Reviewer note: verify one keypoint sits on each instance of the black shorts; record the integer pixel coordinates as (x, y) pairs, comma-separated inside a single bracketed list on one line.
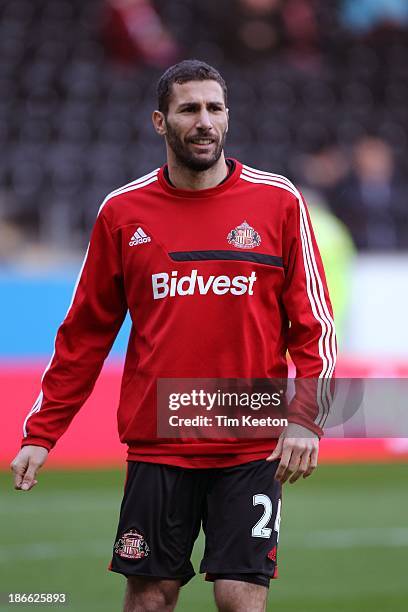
[(164, 506)]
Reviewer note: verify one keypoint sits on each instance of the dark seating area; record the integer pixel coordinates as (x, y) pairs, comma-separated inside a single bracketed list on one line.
[(74, 124)]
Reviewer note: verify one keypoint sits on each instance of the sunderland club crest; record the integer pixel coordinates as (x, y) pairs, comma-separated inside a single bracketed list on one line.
[(244, 237), (132, 545)]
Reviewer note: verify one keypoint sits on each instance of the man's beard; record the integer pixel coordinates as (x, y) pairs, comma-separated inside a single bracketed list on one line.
[(186, 157)]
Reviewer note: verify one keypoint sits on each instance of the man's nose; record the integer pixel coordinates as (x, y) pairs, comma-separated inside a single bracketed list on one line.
[(204, 120)]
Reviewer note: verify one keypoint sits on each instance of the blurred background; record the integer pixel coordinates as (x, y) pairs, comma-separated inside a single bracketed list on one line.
[(318, 91)]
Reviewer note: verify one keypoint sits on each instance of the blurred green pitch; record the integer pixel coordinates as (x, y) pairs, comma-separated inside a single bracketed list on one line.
[(343, 543)]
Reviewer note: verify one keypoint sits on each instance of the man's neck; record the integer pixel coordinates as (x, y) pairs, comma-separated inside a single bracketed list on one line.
[(184, 178)]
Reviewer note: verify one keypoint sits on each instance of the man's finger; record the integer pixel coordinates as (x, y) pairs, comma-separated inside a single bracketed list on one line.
[(276, 451), (294, 462), (19, 471), (283, 464), (18, 479), (303, 466), (312, 463), (29, 480)]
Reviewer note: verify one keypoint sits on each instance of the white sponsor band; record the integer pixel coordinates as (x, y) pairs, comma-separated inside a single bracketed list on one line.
[(169, 285)]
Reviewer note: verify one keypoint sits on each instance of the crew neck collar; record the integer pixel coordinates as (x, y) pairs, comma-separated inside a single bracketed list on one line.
[(202, 193)]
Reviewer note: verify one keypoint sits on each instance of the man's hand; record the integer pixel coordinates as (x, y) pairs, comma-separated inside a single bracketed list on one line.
[(298, 449), (26, 465)]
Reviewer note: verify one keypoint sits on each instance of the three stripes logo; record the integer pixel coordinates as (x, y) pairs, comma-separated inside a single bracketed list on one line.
[(139, 237)]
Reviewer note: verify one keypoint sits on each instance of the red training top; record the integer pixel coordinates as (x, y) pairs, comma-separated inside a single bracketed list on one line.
[(219, 283)]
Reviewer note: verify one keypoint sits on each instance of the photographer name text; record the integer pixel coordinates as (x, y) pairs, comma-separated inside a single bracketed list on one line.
[(221, 420)]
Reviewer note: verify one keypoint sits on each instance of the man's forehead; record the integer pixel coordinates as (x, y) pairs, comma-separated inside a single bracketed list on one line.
[(196, 91)]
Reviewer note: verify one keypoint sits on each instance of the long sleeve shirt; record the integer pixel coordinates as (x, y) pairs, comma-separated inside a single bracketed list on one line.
[(219, 283)]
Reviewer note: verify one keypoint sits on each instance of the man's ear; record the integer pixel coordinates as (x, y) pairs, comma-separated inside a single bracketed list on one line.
[(227, 111), (159, 122)]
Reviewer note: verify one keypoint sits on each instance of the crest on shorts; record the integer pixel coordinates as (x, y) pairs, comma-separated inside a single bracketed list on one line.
[(132, 545), (244, 237)]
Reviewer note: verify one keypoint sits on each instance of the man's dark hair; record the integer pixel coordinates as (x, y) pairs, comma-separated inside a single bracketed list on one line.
[(183, 72)]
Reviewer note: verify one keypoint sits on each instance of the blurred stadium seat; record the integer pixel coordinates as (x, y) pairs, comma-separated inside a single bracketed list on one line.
[(75, 124)]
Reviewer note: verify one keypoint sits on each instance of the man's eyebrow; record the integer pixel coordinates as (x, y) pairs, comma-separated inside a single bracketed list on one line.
[(182, 104), (210, 103)]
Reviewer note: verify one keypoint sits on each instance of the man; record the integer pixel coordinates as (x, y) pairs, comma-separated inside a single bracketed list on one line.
[(244, 236)]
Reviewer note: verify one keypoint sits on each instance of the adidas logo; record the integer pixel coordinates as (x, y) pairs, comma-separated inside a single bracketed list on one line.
[(139, 237)]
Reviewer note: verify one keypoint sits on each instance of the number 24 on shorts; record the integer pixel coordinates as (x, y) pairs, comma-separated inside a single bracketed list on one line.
[(259, 530)]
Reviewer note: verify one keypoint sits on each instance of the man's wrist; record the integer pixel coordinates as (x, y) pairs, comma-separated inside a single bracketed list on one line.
[(308, 429)]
